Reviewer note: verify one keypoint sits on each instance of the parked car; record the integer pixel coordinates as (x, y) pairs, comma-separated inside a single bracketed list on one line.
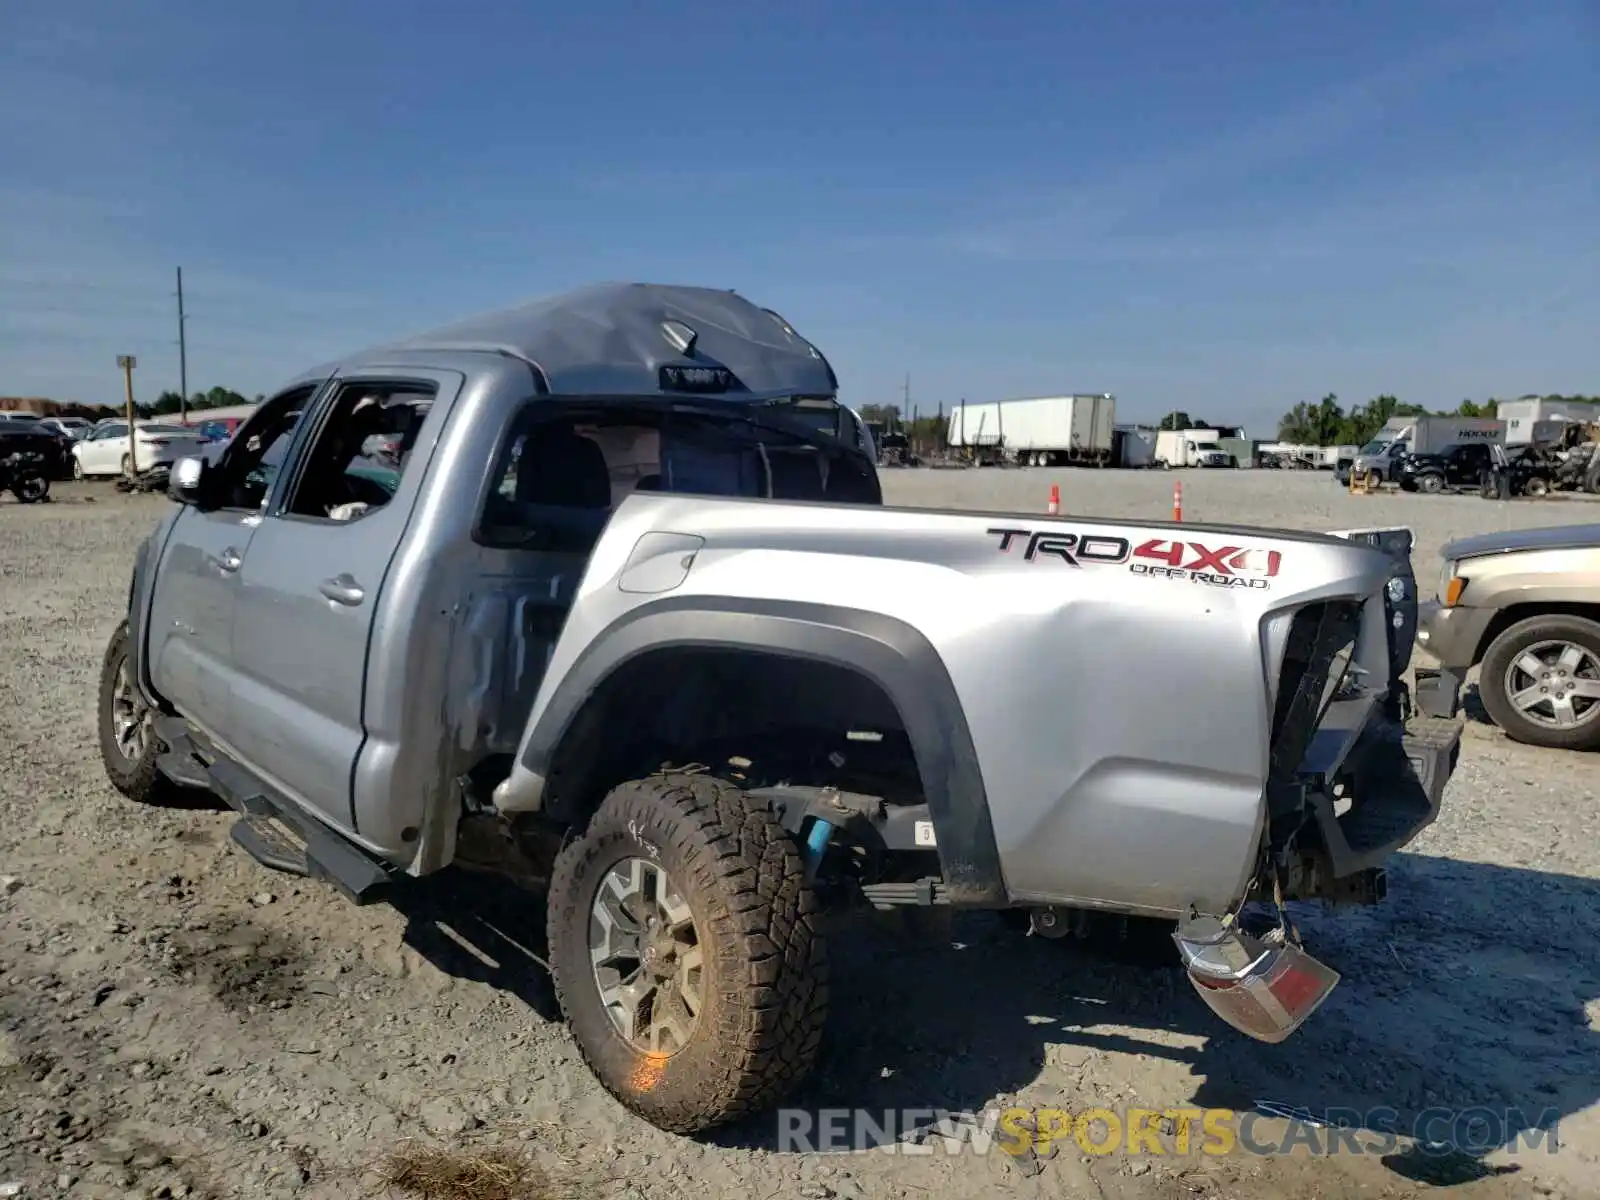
[(72, 427), (1461, 466), (30, 437), (105, 450), (1524, 608), (633, 628)]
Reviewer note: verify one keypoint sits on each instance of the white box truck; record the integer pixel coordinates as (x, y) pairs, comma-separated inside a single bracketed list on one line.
[(1038, 431), (1191, 448)]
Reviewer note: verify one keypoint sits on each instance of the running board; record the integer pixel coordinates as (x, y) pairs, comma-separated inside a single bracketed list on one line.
[(271, 845), (270, 828)]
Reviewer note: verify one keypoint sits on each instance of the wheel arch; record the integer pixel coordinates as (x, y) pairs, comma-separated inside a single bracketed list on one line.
[(1515, 614), (851, 662), (141, 586)]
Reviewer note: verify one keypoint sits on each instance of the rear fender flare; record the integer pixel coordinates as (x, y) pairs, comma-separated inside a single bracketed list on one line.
[(889, 653)]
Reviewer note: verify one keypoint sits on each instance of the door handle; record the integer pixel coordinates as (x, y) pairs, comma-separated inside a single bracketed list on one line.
[(230, 559), (341, 589)]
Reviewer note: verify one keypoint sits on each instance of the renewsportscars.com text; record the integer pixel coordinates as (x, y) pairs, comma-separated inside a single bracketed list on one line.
[(1175, 1132)]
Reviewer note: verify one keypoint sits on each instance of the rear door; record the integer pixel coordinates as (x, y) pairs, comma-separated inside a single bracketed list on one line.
[(311, 584)]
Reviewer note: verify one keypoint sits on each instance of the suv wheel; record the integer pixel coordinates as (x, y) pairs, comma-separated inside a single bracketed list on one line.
[(686, 952), (128, 744), (1540, 681), (1431, 483)]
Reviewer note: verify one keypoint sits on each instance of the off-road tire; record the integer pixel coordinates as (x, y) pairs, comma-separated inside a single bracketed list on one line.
[(1504, 650), (136, 778), (765, 994)]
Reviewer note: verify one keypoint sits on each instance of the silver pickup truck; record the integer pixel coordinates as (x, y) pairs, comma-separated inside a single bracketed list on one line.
[(621, 615)]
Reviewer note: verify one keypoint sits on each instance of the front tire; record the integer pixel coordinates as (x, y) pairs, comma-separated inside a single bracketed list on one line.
[(1430, 483), (128, 743), (1540, 681), (687, 954)]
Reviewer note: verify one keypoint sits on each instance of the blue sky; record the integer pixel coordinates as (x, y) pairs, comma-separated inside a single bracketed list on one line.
[(1221, 208)]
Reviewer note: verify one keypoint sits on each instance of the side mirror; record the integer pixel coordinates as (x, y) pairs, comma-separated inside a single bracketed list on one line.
[(186, 482)]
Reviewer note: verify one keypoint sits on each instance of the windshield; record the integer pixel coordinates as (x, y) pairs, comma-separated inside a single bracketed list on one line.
[(1375, 447), (1207, 446)]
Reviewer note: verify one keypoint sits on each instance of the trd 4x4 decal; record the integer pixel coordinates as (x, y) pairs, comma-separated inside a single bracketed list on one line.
[(1219, 566)]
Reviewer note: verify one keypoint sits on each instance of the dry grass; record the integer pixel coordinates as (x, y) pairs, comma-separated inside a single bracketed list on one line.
[(435, 1173)]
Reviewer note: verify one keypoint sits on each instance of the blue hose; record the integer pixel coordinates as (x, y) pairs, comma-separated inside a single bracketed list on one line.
[(817, 844)]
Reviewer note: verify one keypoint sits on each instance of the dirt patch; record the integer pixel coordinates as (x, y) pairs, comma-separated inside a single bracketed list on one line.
[(245, 967)]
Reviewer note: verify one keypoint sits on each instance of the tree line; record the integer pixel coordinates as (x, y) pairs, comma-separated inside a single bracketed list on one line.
[(166, 404)]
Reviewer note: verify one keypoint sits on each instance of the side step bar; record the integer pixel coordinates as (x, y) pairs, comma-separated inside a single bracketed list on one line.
[(270, 828)]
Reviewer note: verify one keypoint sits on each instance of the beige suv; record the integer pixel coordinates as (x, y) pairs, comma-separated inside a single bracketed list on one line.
[(1524, 607)]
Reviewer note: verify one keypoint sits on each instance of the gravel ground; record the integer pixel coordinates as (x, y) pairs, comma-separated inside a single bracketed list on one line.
[(176, 1021)]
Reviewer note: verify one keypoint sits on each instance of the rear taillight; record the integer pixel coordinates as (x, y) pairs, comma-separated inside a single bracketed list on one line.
[(1263, 987)]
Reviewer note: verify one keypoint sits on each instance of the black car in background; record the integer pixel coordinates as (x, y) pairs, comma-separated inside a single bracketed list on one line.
[(1462, 466), (54, 447)]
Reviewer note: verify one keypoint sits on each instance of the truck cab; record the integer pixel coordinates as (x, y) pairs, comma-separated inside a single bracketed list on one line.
[(1381, 457)]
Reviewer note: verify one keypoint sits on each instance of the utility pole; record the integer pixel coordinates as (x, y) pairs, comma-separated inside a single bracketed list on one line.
[(127, 362), (183, 359)]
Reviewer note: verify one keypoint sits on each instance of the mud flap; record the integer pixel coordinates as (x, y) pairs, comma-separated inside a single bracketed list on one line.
[(1265, 987)]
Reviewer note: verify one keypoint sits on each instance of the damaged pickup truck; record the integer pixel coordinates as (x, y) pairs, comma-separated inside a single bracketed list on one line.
[(629, 623)]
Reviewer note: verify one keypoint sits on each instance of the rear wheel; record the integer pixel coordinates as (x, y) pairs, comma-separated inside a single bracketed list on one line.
[(686, 952), (1540, 682)]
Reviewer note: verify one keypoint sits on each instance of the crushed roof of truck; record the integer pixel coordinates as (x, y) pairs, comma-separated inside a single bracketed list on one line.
[(613, 339)]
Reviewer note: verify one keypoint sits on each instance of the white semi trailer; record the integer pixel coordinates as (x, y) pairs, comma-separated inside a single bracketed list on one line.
[(1038, 431)]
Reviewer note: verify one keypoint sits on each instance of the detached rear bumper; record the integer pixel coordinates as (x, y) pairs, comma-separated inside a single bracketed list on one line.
[(1395, 781)]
